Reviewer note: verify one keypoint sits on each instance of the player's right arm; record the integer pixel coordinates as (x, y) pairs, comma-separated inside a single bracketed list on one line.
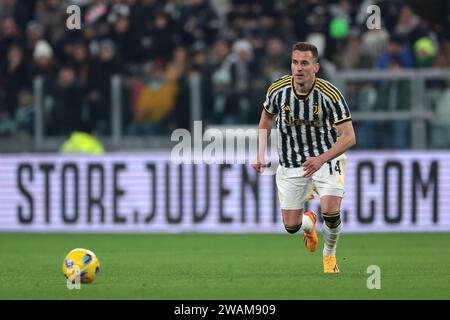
[(265, 124), (264, 129)]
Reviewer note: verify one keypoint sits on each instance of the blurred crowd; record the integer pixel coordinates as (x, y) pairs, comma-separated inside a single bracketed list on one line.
[(237, 47)]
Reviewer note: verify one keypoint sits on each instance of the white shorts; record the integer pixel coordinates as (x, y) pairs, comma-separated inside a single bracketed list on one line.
[(294, 189)]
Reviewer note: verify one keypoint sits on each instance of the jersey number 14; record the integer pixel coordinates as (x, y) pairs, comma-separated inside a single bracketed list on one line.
[(337, 167)]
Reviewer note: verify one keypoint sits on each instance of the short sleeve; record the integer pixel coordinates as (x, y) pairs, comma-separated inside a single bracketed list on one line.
[(341, 112), (339, 109), (269, 104)]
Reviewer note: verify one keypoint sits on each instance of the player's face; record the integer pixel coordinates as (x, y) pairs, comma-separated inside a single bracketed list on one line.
[(303, 67)]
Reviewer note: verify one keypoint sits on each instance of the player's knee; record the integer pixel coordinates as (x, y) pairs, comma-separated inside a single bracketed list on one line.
[(332, 219), (292, 228)]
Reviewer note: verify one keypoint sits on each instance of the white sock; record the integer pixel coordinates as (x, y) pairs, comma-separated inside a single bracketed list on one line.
[(306, 223), (330, 237)]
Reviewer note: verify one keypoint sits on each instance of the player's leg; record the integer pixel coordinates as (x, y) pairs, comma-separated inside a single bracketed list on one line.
[(292, 220), (332, 227), (293, 190), (329, 183), (295, 220)]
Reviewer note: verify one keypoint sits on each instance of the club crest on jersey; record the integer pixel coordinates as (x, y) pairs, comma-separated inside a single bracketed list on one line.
[(316, 108)]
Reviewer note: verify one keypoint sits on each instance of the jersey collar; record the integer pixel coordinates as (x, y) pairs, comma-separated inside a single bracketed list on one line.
[(299, 95)]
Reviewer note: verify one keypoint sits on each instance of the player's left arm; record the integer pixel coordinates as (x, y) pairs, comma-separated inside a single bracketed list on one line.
[(346, 140)]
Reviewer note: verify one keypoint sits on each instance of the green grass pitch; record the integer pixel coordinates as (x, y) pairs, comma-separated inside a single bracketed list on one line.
[(223, 266)]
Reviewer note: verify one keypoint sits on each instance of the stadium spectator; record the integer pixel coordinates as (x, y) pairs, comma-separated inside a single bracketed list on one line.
[(338, 35), (122, 34), (396, 50), (98, 87), (180, 61), (7, 8), (352, 56), (160, 37), (276, 62), (202, 68), (373, 44), (21, 10), (24, 117), (408, 24), (224, 104), (259, 42), (242, 68), (394, 95), (424, 53), (43, 62), (64, 104), (181, 65), (34, 33), (198, 18), (83, 140), (80, 61), (9, 34), (219, 53), (154, 99), (14, 76), (51, 14)]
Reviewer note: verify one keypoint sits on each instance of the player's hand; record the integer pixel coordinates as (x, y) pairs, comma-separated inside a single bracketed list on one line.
[(258, 166), (312, 165)]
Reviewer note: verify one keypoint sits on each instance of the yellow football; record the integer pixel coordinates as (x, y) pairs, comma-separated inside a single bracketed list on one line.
[(82, 265)]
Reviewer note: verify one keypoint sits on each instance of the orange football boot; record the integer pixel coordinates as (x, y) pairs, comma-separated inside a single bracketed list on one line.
[(311, 239)]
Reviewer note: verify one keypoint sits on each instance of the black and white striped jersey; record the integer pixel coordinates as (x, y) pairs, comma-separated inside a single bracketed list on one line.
[(305, 122)]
